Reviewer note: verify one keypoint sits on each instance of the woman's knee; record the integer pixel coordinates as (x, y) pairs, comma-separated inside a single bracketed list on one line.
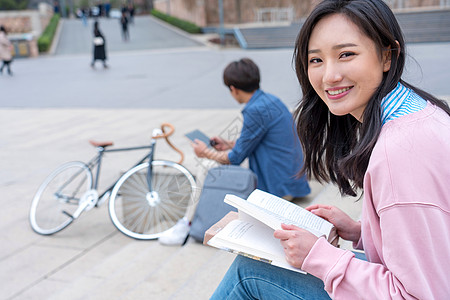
[(250, 279)]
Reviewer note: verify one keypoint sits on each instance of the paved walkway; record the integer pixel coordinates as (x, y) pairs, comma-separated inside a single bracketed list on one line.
[(146, 33), (54, 104), (91, 259), (185, 77)]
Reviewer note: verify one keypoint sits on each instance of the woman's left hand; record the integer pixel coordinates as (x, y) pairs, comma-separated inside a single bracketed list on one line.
[(296, 243)]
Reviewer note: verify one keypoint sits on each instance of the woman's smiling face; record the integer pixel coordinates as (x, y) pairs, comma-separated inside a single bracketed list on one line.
[(344, 65)]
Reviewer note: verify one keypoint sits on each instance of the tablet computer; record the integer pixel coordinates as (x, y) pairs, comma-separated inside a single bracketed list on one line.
[(197, 134)]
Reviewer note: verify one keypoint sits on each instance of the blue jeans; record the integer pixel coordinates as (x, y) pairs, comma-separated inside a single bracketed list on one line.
[(251, 279)]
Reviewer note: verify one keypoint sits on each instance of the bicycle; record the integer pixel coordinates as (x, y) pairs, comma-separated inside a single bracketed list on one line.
[(144, 202)]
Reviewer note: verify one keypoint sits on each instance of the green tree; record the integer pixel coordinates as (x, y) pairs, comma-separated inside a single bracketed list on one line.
[(83, 3), (13, 4)]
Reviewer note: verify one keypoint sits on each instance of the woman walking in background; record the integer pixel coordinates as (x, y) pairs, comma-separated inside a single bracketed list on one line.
[(124, 24), (5, 51), (99, 47)]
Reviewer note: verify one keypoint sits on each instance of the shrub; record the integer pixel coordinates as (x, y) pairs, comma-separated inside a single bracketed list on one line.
[(45, 40), (182, 24), (13, 4)]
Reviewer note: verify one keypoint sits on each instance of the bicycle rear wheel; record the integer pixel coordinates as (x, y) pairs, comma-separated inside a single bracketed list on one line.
[(143, 214), (58, 196)]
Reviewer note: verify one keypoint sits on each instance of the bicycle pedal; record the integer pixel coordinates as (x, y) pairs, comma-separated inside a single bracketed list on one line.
[(89, 199)]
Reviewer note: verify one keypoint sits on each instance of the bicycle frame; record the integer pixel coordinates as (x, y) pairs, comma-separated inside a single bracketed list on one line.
[(96, 162), (76, 183)]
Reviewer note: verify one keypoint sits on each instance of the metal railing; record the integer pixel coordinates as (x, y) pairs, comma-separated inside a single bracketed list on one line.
[(399, 4), (274, 14)]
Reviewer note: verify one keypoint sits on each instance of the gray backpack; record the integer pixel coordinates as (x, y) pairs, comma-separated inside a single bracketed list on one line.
[(219, 181)]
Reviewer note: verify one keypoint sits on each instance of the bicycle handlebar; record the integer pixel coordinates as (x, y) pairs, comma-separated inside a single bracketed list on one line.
[(162, 133), (165, 135)]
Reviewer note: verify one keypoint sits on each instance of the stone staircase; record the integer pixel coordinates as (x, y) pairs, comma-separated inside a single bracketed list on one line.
[(425, 26), (90, 259), (431, 26), (117, 267), (143, 270), (269, 37)]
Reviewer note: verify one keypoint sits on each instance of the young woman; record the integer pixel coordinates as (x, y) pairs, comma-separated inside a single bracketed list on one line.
[(362, 126), (99, 46), (5, 51)]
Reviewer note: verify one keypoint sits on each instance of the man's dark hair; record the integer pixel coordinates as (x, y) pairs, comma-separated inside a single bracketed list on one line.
[(242, 74)]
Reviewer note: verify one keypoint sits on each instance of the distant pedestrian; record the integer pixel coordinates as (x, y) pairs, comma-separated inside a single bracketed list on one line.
[(83, 17), (131, 13), (107, 6), (124, 9), (124, 23), (100, 9), (99, 46), (5, 51), (56, 7)]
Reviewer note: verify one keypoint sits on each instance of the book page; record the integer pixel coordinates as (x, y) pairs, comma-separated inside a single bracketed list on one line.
[(273, 211), (290, 211), (252, 240), (248, 235)]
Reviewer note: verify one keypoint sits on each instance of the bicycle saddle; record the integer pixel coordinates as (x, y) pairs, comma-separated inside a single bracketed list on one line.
[(101, 144)]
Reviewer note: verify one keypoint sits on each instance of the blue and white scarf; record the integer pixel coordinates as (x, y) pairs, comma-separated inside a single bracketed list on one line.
[(399, 102)]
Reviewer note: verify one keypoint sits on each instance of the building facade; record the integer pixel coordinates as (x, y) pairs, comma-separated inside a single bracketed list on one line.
[(205, 13)]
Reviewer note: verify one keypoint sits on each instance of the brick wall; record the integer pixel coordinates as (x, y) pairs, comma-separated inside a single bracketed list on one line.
[(413, 3), (27, 21), (16, 24), (27, 26), (206, 12), (244, 11), (189, 10)]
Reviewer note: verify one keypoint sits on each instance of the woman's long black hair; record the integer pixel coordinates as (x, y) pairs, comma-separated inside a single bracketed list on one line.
[(337, 148)]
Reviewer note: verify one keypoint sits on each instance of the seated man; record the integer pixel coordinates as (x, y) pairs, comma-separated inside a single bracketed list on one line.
[(268, 138)]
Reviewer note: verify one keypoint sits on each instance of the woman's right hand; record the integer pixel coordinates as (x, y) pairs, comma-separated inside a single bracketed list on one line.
[(220, 144), (347, 228)]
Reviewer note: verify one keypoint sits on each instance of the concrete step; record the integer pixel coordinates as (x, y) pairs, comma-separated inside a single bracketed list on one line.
[(57, 261), (271, 37), (91, 259), (117, 274), (192, 272), (425, 26), (143, 269), (105, 264), (431, 26), (124, 268)]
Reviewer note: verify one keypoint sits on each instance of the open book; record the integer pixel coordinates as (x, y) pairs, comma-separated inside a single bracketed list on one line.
[(250, 231)]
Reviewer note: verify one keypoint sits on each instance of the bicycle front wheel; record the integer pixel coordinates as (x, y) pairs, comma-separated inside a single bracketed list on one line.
[(58, 196), (144, 213)]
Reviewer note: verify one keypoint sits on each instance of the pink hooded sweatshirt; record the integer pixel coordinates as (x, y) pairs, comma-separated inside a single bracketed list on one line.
[(405, 219)]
